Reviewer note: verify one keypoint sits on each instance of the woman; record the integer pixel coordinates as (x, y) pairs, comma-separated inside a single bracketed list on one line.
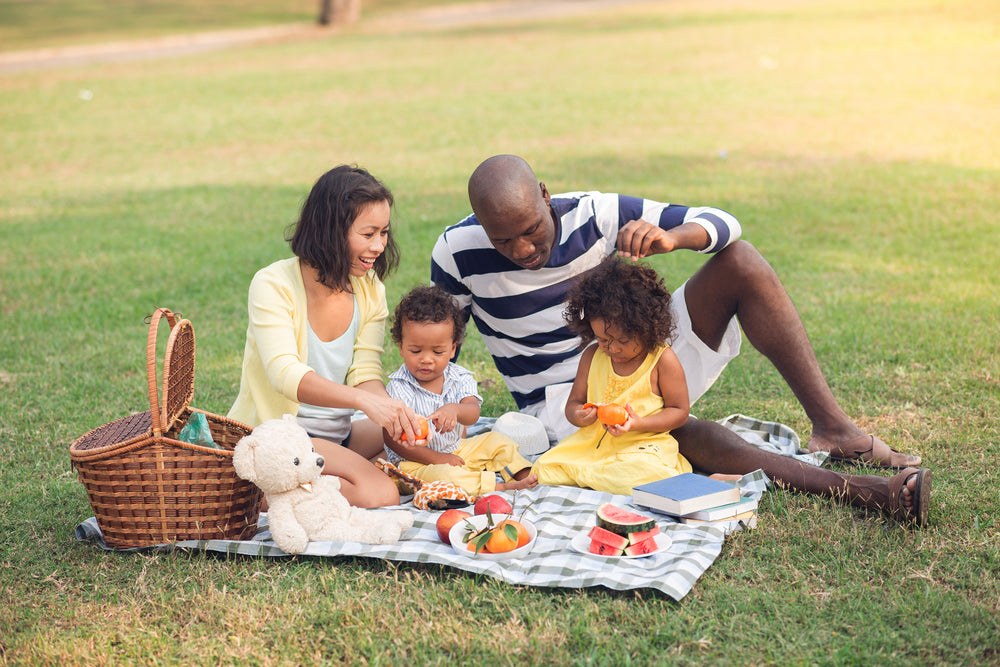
[(314, 340)]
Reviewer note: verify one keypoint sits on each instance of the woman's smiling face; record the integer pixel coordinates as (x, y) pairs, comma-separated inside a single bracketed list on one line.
[(367, 237)]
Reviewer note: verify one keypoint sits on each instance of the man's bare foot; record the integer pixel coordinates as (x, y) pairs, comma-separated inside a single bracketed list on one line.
[(721, 476), (526, 482)]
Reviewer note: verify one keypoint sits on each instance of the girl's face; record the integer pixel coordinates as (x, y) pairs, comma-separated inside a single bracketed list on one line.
[(427, 347), (621, 347), (367, 237)]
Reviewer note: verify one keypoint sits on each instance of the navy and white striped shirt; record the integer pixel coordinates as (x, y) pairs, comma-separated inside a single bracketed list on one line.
[(519, 312)]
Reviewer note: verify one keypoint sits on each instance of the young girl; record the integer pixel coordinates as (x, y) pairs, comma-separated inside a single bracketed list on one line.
[(625, 308), (315, 333), (428, 326)]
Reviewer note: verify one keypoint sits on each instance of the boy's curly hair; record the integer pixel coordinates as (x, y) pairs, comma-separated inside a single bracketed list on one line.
[(631, 296), (428, 304)]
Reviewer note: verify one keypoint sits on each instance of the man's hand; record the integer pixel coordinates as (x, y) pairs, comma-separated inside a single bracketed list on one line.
[(638, 239)]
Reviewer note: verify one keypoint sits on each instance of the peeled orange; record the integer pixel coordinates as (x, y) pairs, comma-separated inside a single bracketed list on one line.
[(422, 431), (611, 414)]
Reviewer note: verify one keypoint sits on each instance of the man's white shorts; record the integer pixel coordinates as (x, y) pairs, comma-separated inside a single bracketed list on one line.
[(702, 367)]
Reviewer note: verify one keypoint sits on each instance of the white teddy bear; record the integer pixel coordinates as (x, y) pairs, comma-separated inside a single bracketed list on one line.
[(303, 504)]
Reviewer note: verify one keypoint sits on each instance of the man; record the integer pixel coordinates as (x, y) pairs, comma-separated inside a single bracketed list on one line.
[(512, 261)]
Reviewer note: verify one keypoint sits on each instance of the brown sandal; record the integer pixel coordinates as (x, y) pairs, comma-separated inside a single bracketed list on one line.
[(872, 451), (921, 496)]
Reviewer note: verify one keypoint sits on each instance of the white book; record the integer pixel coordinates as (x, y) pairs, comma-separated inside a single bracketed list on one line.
[(747, 504)]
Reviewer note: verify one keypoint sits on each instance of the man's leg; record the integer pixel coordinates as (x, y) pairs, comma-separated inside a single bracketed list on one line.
[(713, 448), (739, 281)]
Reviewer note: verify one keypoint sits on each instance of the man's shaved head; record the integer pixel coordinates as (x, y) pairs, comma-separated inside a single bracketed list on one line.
[(501, 185), (514, 210)]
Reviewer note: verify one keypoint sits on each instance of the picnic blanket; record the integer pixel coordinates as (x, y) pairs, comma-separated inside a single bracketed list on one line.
[(559, 514)]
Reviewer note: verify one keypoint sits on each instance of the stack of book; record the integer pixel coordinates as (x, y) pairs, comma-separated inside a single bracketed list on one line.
[(698, 500)]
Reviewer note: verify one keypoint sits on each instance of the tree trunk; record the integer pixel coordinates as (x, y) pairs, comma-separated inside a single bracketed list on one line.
[(339, 12)]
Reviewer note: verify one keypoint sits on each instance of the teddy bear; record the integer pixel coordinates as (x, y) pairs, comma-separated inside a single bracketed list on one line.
[(303, 504)]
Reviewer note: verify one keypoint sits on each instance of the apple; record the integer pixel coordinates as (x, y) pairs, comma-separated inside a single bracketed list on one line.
[(497, 505), (448, 519)]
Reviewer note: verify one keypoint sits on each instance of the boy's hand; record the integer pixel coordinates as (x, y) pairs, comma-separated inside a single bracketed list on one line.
[(453, 460), (445, 418)]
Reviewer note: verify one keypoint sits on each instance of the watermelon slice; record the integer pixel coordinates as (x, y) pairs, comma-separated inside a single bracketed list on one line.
[(613, 540), (621, 521), (603, 549), (647, 546), (634, 538)]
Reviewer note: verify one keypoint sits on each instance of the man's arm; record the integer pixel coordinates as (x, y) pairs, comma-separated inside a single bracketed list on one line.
[(648, 228)]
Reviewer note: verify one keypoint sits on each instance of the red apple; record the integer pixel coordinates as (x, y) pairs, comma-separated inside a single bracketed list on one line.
[(497, 505), (448, 519)]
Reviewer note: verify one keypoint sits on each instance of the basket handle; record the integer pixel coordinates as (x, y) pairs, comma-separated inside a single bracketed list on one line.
[(154, 402)]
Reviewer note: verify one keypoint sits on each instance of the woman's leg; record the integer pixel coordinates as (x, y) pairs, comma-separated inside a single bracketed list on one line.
[(366, 439), (361, 483)]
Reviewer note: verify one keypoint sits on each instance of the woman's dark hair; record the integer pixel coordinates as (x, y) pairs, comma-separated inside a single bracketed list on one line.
[(428, 304), (630, 296), (320, 236)]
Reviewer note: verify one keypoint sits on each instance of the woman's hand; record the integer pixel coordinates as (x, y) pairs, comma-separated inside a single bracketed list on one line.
[(395, 417)]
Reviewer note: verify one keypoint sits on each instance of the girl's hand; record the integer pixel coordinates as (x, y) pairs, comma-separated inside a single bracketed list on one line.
[(629, 424), (586, 414), (445, 418)]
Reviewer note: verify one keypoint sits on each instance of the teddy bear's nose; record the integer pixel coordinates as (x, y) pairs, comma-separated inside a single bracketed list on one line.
[(320, 462)]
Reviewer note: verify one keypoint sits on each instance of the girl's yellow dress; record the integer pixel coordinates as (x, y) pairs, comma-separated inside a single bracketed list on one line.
[(619, 463)]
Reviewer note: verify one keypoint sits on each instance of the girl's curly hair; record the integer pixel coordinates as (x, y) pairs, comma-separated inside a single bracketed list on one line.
[(631, 296), (428, 304)]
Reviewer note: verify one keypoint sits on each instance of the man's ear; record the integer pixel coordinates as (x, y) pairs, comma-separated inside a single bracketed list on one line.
[(244, 458)]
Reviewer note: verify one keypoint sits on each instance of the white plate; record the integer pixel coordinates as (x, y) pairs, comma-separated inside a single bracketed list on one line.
[(581, 543), (458, 531)]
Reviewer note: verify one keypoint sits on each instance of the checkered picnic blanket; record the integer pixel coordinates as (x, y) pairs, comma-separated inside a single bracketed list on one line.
[(559, 514)]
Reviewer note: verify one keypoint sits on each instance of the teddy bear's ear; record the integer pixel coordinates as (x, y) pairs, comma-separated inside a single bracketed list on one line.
[(243, 458)]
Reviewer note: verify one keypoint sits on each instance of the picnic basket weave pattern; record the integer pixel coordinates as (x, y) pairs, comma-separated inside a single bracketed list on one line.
[(146, 486)]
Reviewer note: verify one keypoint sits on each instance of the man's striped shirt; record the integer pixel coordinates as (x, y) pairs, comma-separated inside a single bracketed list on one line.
[(519, 312)]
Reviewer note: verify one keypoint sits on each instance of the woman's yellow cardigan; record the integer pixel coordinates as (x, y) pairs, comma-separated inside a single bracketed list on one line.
[(274, 359)]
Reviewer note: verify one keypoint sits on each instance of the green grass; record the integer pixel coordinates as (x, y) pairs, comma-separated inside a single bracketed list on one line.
[(854, 140)]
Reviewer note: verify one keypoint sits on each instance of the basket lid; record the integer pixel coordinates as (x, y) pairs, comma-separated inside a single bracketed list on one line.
[(178, 370)]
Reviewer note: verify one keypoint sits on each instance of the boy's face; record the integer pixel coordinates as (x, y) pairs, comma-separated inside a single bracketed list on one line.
[(427, 347)]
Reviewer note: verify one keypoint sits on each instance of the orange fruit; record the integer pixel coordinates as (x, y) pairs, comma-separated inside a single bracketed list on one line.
[(522, 533), (422, 431), (611, 414), (500, 540)]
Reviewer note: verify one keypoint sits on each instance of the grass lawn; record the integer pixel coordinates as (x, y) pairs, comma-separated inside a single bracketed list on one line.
[(856, 141)]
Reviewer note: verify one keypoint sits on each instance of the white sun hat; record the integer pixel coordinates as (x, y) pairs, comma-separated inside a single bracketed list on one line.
[(527, 431)]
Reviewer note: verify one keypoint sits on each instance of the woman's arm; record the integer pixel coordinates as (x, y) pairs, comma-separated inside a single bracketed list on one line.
[(578, 415)]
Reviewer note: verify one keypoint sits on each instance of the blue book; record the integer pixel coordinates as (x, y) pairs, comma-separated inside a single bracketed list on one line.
[(685, 493)]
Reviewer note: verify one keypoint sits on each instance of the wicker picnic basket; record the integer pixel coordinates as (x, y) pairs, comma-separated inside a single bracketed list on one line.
[(146, 486)]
